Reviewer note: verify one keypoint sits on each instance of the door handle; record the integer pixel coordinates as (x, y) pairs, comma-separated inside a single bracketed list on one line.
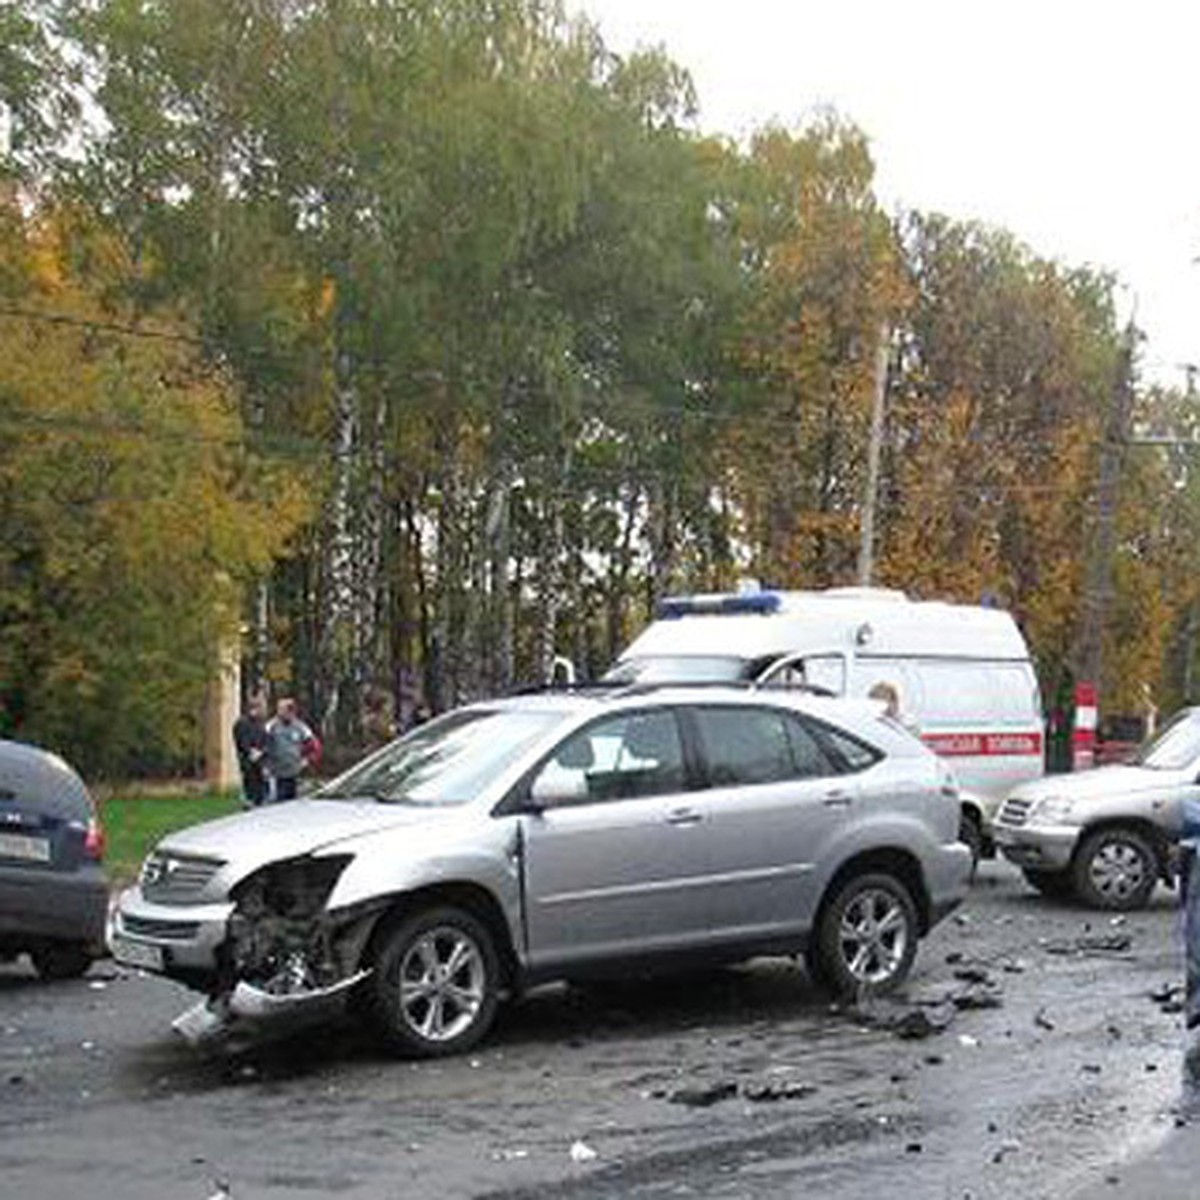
[(684, 816), (838, 799)]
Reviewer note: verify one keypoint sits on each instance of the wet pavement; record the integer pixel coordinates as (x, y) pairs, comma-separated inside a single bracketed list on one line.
[(1039, 1055)]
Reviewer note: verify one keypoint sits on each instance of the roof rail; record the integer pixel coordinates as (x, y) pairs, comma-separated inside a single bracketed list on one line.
[(562, 685), (640, 687), (747, 685)]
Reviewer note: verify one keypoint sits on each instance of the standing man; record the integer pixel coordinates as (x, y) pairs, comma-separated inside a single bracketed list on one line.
[(290, 747), (250, 741)]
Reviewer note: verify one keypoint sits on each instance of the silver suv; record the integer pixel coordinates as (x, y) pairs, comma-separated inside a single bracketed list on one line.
[(1106, 836), (553, 837)]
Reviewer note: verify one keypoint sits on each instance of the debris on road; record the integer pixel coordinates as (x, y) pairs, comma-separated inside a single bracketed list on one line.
[(1093, 943), (581, 1152), (705, 1095), (1007, 1147), (973, 973), (1042, 1021), (977, 996), (1169, 998), (765, 1092), (769, 1092), (509, 1155)]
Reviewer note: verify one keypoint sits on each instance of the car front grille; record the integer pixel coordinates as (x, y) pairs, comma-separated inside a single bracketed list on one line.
[(1015, 811), (166, 931), (173, 879)]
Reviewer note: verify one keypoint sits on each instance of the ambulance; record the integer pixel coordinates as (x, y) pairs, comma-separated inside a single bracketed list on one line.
[(966, 683)]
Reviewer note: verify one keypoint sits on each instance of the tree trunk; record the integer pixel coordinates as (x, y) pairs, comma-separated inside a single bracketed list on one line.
[(338, 634)]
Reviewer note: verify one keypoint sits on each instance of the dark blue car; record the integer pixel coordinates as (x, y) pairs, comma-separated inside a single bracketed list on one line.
[(53, 895)]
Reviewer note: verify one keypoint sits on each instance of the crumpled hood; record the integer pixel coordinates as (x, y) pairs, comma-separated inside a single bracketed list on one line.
[(1103, 783), (247, 841)]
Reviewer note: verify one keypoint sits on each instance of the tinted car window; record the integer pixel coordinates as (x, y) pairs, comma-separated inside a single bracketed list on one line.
[(856, 755), (757, 745), (809, 758), (618, 758), (744, 745)]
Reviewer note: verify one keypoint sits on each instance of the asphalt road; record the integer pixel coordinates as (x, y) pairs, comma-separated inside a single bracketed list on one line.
[(1055, 1090)]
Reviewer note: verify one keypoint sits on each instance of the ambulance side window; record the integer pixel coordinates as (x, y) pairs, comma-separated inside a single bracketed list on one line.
[(826, 671), (1016, 696), (959, 693)]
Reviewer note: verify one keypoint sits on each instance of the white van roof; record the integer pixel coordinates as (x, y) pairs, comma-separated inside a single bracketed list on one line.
[(869, 621)]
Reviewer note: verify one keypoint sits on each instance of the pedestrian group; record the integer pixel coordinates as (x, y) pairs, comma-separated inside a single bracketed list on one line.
[(273, 754)]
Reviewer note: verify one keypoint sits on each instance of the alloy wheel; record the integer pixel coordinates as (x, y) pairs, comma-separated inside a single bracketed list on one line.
[(873, 936), (443, 982)]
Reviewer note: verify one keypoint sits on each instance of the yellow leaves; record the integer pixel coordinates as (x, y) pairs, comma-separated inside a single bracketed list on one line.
[(326, 298), (829, 278), (45, 264), (129, 501)]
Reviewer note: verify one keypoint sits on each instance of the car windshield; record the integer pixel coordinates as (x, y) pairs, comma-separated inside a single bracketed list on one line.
[(1178, 745), (448, 761), (682, 668)]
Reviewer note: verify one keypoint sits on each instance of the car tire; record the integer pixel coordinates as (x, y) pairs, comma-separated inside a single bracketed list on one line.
[(866, 936), (61, 960), (1115, 869), (1057, 885), (435, 984)]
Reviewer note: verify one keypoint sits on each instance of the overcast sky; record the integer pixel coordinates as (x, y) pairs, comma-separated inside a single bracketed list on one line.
[(1071, 124)]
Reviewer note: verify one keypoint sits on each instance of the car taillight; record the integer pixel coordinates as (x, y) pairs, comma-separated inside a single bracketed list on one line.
[(93, 842)]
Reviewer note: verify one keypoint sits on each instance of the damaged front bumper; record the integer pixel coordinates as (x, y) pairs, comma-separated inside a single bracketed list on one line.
[(250, 1011), (272, 956)]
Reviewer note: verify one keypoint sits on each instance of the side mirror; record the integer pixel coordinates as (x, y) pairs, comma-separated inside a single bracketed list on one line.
[(554, 788)]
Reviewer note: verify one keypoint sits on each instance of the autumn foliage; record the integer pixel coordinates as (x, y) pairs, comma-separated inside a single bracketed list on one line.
[(418, 344)]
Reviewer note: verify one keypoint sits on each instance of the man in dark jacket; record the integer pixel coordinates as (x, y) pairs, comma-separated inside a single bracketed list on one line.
[(250, 741)]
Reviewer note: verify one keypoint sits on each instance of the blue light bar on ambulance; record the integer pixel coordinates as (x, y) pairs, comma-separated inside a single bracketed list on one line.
[(718, 604)]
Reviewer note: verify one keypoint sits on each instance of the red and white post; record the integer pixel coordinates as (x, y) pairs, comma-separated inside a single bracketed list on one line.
[(1083, 735)]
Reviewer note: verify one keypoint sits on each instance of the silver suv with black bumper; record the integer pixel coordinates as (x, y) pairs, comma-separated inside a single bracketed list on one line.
[(558, 837)]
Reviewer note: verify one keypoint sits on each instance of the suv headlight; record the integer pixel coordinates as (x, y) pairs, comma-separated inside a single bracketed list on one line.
[(1054, 810)]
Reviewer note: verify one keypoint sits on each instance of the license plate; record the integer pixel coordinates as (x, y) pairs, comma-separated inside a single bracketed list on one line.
[(137, 954), (28, 849)]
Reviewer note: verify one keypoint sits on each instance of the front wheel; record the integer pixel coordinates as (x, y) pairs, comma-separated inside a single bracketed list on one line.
[(866, 938), (436, 983), (1115, 869)]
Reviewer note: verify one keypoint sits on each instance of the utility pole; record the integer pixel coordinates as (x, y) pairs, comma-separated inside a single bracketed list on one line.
[(866, 548), (1189, 635), (1089, 650)]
